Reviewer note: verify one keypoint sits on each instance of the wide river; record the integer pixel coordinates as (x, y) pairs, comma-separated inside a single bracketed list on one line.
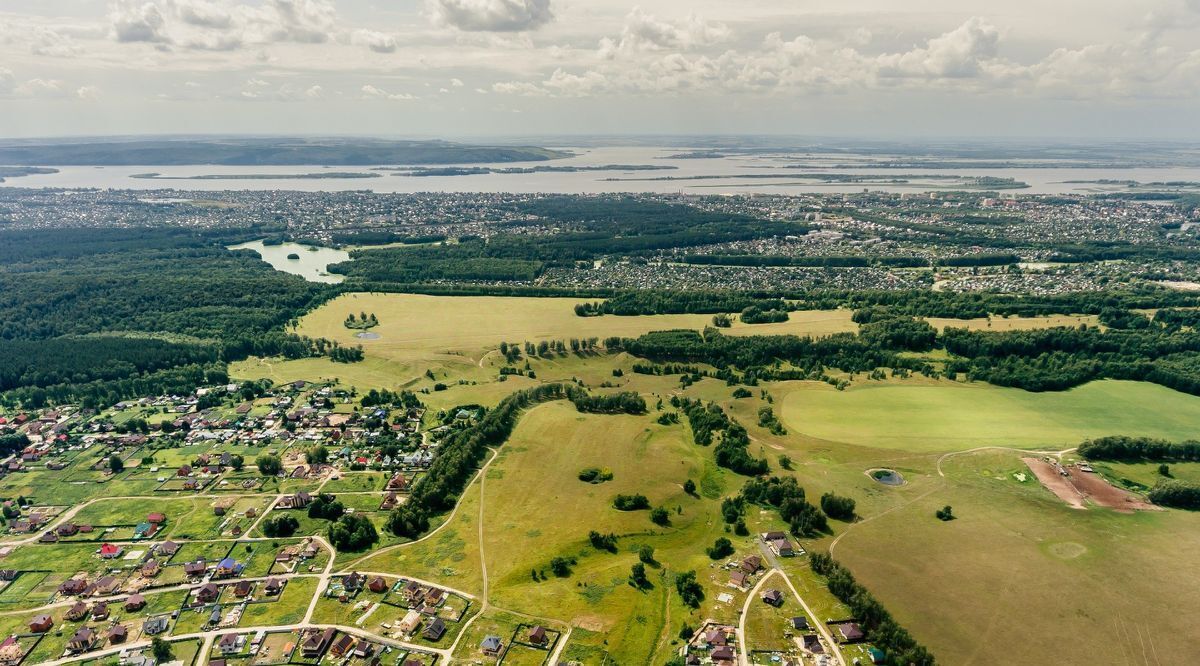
[(694, 176)]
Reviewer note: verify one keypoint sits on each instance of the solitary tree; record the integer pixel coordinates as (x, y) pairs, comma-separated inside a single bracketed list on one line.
[(161, 650), (689, 487), (115, 463)]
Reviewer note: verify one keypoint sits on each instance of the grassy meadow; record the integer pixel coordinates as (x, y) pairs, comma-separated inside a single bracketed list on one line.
[(1016, 576)]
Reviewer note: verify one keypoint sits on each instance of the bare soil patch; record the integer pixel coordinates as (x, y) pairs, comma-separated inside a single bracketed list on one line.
[(1055, 482), (1077, 487)]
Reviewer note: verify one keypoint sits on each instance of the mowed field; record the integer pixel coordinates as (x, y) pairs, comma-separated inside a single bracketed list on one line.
[(951, 416), (1018, 577)]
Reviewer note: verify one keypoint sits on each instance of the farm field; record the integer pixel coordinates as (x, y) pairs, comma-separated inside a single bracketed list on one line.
[(948, 416)]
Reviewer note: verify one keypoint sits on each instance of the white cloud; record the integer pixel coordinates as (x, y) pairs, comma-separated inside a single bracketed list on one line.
[(39, 88), (88, 93), (47, 42), (456, 83), (962, 52), (135, 21), (492, 15), (379, 42), (644, 31), (315, 92), (372, 92), (222, 25)]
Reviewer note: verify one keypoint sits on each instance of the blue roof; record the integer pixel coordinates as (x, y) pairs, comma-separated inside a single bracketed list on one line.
[(227, 563)]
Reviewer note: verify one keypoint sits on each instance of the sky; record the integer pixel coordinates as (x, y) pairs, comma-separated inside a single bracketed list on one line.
[(477, 68)]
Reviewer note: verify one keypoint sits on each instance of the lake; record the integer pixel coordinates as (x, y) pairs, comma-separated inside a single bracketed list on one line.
[(312, 262), (721, 175)]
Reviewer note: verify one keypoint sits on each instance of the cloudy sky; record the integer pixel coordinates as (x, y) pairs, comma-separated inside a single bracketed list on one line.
[(462, 68)]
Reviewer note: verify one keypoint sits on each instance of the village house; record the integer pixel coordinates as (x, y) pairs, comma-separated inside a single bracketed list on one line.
[(342, 646), (378, 585), (167, 548), (195, 569), (82, 641), (100, 611), (434, 630), (41, 624), (273, 586), (230, 643), (110, 551), (772, 597), (538, 635), (316, 642), (207, 593), (117, 634), (77, 612), (491, 646), (135, 602), (155, 625)]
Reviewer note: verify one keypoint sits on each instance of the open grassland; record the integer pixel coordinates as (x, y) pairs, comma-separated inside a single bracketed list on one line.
[(950, 416), (1020, 578), (537, 509)]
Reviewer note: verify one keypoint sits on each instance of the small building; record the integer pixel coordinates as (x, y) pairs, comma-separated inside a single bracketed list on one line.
[(434, 630), (812, 643), (117, 634), (229, 644), (342, 646), (156, 518), (77, 612), (135, 602), (751, 564), (491, 646), (167, 548), (800, 623), (850, 632), (100, 610), (41, 624), (316, 643), (150, 569), (82, 641), (242, 589), (723, 655), (410, 622), (772, 597), (207, 593), (378, 584), (274, 586), (110, 551), (538, 635), (228, 567), (155, 625), (738, 579), (193, 569), (353, 582)]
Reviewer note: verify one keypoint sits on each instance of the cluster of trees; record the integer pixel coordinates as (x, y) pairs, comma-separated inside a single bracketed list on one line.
[(768, 420), (679, 302), (326, 506), (900, 648), (720, 549), (595, 475), (1120, 447), (837, 506), (11, 443), (607, 542), (362, 321), (353, 533), (637, 502), (626, 402), (460, 453), (405, 399), (757, 315), (689, 589), (280, 526), (1176, 494), (268, 464), (731, 451), (787, 496)]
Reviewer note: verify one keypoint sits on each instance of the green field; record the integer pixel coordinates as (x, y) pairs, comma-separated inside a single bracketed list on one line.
[(949, 416)]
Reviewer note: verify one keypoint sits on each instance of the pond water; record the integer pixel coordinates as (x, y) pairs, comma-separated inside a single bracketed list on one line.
[(311, 262)]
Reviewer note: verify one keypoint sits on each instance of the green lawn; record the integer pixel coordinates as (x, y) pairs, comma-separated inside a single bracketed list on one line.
[(948, 416)]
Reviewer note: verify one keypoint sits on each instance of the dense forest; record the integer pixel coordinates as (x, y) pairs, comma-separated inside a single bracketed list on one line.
[(104, 314)]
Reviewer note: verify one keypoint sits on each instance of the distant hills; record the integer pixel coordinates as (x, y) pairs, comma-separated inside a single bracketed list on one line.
[(241, 151)]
